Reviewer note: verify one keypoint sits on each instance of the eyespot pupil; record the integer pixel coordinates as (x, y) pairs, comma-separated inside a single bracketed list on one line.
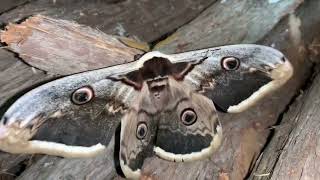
[(81, 96), (188, 117), (232, 64), (141, 132)]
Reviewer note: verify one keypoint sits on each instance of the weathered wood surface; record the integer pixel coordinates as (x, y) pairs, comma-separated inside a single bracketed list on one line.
[(229, 22), (64, 47), (293, 151), (277, 160), (7, 5), (300, 157), (15, 76), (245, 133), (145, 20)]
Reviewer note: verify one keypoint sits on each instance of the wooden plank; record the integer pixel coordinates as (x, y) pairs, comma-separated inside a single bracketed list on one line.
[(270, 161), (62, 47), (145, 20), (7, 5), (11, 165), (16, 76), (229, 22), (298, 140)]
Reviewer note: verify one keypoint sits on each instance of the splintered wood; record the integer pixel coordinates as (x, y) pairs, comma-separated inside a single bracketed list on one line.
[(63, 47)]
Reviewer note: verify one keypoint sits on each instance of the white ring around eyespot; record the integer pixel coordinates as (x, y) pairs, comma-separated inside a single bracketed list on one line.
[(85, 89)]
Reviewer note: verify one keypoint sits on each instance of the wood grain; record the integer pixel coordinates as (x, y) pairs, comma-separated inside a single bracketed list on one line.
[(229, 22), (269, 160), (293, 152), (300, 158), (144, 20), (7, 5), (63, 47)]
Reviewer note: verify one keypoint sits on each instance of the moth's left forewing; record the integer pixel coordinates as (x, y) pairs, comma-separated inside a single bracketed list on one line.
[(50, 120), (261, 70)]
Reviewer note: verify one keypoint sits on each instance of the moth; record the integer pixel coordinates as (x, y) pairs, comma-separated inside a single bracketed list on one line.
[(166, 104)]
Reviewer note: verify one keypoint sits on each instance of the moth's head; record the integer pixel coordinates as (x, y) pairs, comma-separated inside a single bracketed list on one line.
[(155, 65)]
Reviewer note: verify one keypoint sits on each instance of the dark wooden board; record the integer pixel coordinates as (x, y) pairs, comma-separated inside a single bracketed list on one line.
[(300, 158), (146, 20), (229, 22), (272, 160), (7, 5), (293, 153), (15, 76)]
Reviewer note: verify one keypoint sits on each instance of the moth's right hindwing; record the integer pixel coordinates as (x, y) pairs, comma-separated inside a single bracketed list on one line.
[(189, 130)]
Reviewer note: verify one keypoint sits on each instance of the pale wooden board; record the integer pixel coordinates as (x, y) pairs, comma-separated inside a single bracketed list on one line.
[(62, 47)]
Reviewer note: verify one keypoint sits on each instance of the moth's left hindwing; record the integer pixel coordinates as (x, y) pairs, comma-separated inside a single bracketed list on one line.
[(138, 133)]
